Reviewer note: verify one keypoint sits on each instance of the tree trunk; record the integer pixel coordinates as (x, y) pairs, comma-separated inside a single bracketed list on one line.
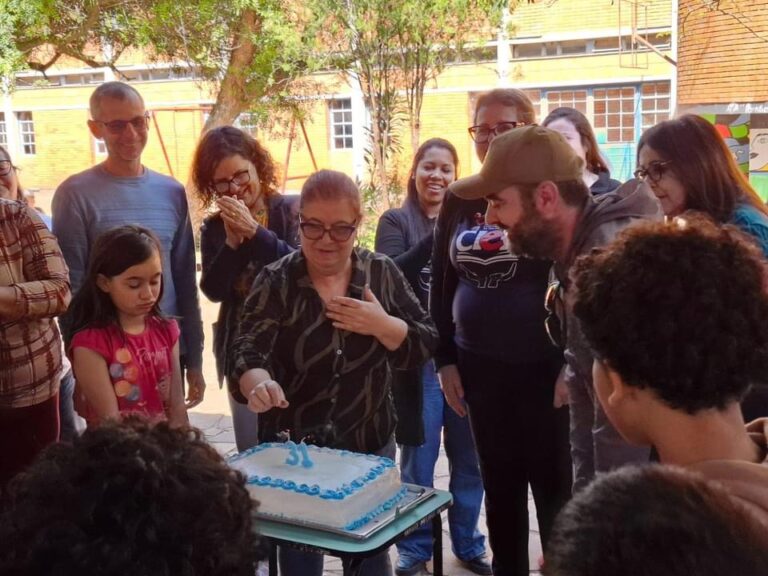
[(233, 96), (415, 131)]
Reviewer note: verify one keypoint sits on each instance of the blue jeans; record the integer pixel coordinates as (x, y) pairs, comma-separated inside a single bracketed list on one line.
[(297, 563), (67, 430), (417, 466)]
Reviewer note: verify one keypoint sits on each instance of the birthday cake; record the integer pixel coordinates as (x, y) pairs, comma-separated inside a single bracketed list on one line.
[(335, 488)]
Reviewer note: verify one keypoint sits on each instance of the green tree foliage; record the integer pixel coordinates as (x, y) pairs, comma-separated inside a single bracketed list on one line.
[(393, 49), (253, 50)]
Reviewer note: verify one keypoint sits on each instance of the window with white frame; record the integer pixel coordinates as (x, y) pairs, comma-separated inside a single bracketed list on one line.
[(571, 98), (26, 132), (615, 113), (3, 131), (341, 123), (535, 96), (655, 103)]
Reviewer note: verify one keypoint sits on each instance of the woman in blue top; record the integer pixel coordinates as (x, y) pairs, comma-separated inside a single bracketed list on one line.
[(494, 360), (688, 166)]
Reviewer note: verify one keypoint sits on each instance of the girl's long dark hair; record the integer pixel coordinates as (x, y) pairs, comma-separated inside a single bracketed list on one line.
[(113, 253)]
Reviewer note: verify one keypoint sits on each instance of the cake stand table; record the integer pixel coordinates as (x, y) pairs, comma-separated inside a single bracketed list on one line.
[(315, 540)]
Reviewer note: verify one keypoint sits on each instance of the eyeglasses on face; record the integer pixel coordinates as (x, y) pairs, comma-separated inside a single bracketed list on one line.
[(5, 167), (482, 132), (654, 171), (240, 178), (337, 232), (139, 123), (554, 323)]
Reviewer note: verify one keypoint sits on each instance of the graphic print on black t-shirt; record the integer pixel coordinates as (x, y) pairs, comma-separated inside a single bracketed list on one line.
[(483, 257)]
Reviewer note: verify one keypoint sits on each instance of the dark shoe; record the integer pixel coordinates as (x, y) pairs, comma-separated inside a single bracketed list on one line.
[(406, 567), (478, 565)]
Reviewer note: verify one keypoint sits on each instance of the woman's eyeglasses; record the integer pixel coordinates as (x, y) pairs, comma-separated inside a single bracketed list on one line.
[(654, 171), (482, 133), (5, 167), (337, 232), (139, 123), (554, 323), (240, 178)]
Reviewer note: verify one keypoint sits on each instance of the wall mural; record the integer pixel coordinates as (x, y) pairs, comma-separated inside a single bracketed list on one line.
[(747, 137)]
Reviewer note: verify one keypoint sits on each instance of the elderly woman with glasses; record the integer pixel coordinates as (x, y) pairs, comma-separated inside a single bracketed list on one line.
[(688, 166), (321, 332), (252, 226)]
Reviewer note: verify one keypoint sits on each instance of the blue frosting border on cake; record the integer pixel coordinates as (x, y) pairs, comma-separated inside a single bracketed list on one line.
[(363, 520), (314, 490)]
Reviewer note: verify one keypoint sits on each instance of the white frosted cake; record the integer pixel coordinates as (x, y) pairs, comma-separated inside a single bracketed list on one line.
[(335, 488)]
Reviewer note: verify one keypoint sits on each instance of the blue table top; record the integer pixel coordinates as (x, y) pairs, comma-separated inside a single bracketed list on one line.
[(328, 542)]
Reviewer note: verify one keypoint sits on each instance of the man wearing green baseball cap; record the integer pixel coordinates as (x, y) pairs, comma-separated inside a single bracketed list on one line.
[(532, 180)]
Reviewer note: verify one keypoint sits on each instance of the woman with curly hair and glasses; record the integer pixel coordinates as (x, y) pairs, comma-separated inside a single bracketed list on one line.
[(688, 166), (252, 226)]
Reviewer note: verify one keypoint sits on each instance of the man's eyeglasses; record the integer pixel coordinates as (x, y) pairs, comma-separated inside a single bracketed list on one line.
[(5, 167), (554, 323), (337, 232), (240, 178), (482, 133), (653, 172), (139, 123)]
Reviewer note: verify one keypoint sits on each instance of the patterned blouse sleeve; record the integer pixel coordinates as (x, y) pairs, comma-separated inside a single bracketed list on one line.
[(260, 323), (398, 299)]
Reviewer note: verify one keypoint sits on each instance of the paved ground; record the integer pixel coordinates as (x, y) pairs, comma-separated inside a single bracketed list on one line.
[(212, 416)]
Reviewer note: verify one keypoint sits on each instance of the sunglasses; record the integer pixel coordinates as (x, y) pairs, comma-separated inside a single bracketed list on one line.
[(337, 232), (482, 132), (653, 172), (554, 323), (240, 178), (139, 123)]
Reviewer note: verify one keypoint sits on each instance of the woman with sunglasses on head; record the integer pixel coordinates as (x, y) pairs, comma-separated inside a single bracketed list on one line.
[(495, 362), (405, 234), (321, 332), (252, 226), (688, 166), (577, 131)]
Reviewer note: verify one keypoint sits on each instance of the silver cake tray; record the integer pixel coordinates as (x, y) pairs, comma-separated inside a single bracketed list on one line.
[(414, 496)]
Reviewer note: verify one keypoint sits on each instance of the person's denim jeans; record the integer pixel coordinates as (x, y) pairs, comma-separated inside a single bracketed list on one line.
[(297, 563), (68, 428), (417, 466)]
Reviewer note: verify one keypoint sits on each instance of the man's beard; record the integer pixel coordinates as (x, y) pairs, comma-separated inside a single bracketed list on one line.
[(533, 236)]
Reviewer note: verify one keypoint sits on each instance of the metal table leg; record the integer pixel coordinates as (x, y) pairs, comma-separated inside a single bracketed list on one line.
[(437, 545), (272, 559)]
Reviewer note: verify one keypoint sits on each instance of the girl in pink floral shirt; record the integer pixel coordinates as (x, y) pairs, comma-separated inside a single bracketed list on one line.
[(125, 353)]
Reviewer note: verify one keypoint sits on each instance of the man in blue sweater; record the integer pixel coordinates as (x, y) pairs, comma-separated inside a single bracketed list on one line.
[(120, 191)]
